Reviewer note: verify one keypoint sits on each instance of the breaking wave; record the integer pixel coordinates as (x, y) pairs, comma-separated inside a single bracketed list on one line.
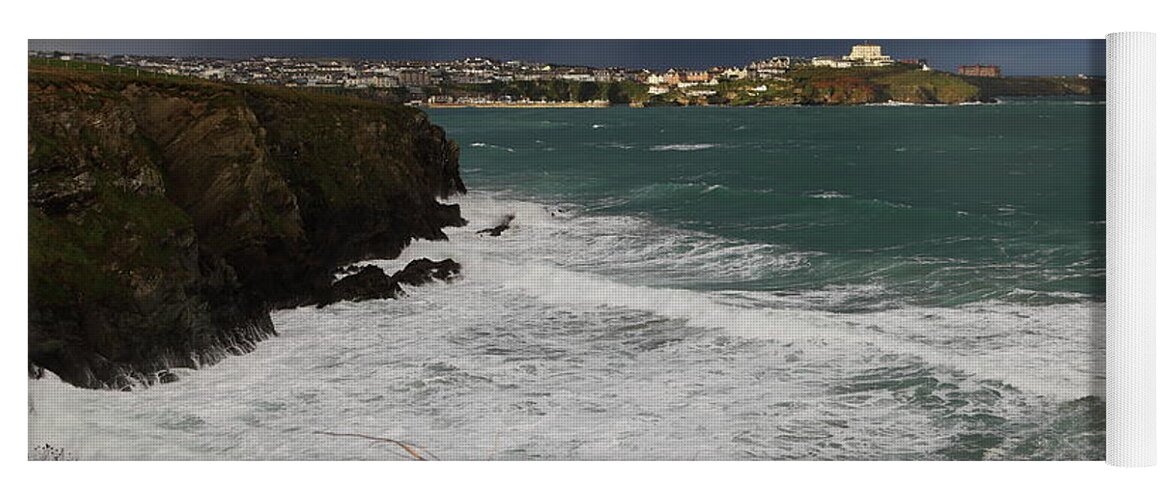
[(683, 147), (571, 315)]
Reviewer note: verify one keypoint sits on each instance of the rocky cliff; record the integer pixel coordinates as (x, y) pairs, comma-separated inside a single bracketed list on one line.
[(167, 218)]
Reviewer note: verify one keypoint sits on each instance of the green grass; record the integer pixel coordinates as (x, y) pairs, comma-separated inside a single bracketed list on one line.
[(113, 79), (823, 73), (43, 63), (941, 87)]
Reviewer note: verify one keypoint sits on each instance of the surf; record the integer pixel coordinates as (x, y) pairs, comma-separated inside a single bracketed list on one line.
[(914, 331)]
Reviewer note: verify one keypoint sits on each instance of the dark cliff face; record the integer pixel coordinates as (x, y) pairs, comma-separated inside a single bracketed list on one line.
[(167, 218)]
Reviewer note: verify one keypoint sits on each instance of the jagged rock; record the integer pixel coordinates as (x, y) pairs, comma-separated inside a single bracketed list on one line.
[(421, 271), (499, 228), (166, 219), (64, 195), (368, 283), (371, 282)]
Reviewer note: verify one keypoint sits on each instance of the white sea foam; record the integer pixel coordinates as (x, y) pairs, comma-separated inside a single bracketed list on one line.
[(569, 336), (617, 145), (493, 146), (683, 147), (828, 195), (1030, 363), (891, 104), (713, 187)]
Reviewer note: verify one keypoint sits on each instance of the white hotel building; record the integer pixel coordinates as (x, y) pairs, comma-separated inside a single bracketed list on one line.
[(866, 54)]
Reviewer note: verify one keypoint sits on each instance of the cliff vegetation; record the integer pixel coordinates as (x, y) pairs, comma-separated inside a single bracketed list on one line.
[(168, 217)]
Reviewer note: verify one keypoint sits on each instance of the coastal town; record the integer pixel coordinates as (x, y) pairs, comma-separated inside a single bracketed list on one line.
[(866, 74)]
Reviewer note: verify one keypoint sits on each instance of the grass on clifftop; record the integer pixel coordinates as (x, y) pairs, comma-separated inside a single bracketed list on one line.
[(55, 72), (931, 85)]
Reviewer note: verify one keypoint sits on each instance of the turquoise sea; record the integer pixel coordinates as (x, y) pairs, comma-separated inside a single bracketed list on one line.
[(942, 205), (800, 283)]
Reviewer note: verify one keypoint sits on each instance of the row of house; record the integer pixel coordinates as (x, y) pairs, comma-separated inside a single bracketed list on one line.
[(312, 72)]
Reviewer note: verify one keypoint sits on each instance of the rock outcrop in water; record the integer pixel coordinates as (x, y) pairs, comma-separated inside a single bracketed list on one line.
[(421, 271), (167, 218), (500, 228), (371, 282)]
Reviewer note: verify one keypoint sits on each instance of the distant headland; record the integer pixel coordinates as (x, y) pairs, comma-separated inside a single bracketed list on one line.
[(864, 76)]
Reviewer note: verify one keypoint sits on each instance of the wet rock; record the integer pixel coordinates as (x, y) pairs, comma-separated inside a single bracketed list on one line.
[(499, 228), (371, 282), (421, 271), (368, 283)]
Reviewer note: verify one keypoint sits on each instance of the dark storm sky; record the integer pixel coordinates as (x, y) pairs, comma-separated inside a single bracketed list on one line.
[(1016, 57)]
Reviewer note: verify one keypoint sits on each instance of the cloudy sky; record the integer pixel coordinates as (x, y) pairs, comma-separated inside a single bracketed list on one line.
[(1016, 57)]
